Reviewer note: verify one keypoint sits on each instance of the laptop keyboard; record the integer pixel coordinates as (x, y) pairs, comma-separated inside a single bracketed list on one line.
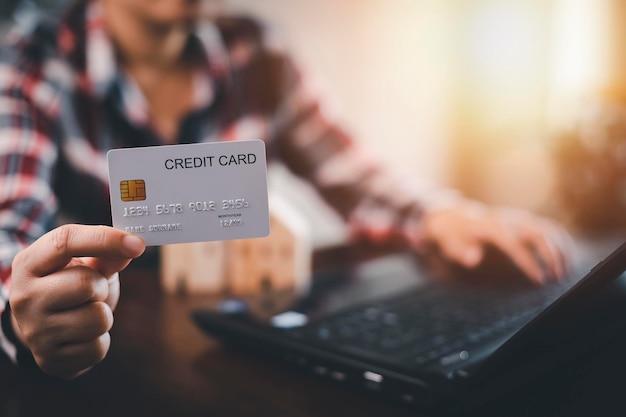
[(430, 323)]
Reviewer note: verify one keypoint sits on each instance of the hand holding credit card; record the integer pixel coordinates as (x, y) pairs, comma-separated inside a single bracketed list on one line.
[(190, 193)]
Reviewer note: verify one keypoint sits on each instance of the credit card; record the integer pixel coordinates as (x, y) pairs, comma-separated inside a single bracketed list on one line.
[(190, 193)]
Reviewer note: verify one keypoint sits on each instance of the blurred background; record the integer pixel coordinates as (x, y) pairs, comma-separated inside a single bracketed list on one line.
[(516, 102)]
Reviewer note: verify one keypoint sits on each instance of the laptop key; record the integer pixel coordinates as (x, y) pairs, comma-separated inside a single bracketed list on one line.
[(429, 324)]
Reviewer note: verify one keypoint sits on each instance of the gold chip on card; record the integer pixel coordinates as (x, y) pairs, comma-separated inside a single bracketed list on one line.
[(133, 190)]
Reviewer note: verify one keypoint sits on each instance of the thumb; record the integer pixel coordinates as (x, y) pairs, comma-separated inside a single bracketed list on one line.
[(108, 266), (105, 266)]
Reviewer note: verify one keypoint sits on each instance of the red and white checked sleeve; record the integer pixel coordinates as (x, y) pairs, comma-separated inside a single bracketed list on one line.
[(27, 156)]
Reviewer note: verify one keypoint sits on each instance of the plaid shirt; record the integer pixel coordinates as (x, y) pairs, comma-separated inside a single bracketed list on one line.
[(64, 102)]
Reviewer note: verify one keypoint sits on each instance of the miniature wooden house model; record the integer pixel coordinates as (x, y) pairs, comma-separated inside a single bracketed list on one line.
[(195, 268), (281, 260)]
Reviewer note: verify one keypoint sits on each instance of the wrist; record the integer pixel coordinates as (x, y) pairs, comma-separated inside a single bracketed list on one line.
[(13, 333)]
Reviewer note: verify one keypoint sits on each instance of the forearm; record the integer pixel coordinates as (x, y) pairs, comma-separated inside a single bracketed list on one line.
[(362, 191), (347, 175)]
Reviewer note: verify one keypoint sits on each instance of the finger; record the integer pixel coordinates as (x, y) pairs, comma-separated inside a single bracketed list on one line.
[(72, 287), (114, 291), (72, 360), (80, 324), (563, 245), (465, 254), (55, 249), (518, 253), (545, 251)]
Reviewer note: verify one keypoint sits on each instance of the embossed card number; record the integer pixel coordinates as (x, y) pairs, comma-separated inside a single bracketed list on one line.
[(190, 193)]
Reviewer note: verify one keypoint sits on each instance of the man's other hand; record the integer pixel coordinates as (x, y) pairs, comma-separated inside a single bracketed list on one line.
[(465, 236)]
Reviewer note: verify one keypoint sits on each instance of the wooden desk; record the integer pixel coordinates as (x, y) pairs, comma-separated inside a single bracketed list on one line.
[(161, 365)]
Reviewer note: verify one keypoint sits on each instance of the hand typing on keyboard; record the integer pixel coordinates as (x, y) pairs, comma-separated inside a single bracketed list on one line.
[(469, 236)]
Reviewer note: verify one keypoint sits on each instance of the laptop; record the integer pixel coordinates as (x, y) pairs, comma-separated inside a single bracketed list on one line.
[(383, 326)]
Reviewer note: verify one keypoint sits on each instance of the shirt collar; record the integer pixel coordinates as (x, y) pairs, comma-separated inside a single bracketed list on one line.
[(103, 72)]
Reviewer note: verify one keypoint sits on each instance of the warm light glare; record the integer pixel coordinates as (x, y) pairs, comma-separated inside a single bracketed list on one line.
[(580, 45), (503, 39), (455, 91)]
